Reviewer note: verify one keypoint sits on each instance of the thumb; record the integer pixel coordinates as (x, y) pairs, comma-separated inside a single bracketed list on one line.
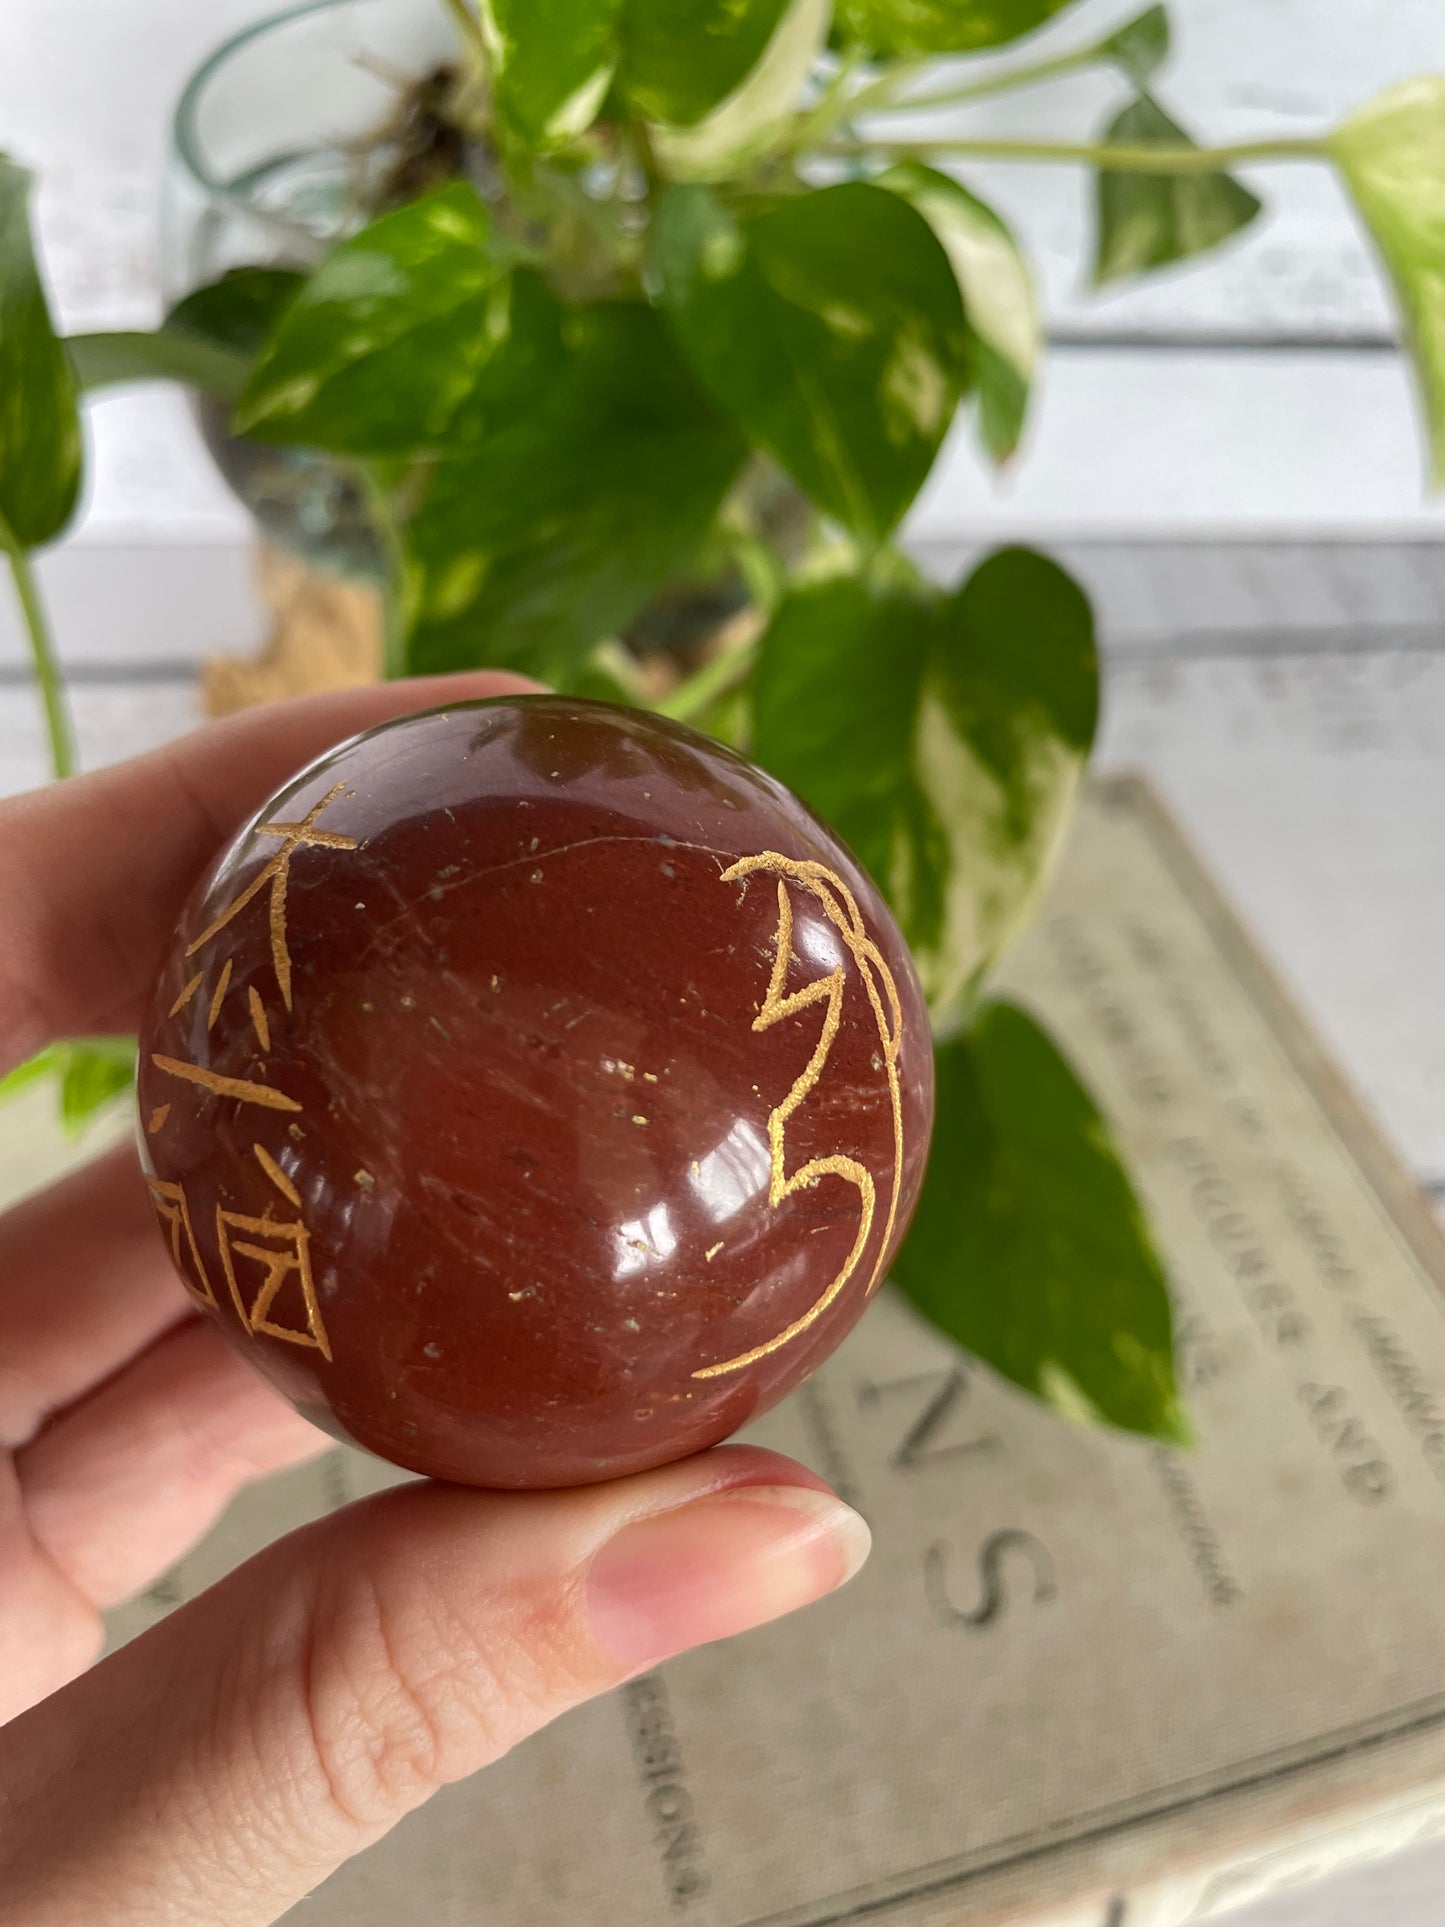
[(217, 1768)]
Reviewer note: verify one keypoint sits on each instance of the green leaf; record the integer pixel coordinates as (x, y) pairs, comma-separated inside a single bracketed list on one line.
[(840, 656), (105, 360), (893, 27), (1029, 1247), (378, 349), (45, 1063), (943, 737), (745, 122), (1140, 46), (831, 329), (208, 340), (681, 57), (239, 312), (1392, 155), (552, 532), (528, 355), (97, 1071), (1145, 221), (552, 63), (1000, 309), (90, 1073), (40, 447)]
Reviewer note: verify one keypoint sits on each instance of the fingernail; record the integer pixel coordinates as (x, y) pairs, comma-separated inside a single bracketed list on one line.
[(718, 1566)]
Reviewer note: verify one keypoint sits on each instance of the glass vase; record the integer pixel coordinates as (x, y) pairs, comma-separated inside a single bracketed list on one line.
[(275, 138)]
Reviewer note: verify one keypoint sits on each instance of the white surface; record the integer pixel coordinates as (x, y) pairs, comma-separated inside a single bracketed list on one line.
[(1401, 1892), (1242, 441), (1314, 787)]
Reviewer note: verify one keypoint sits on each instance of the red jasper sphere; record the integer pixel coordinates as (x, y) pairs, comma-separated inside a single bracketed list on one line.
[(535, 1092)]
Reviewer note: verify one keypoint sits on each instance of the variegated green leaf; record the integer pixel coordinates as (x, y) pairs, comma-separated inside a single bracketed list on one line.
[(830, 328), (1000, 309), (552, 63), (548, 534), (745, 121), (1148, 221), (1392, 155), (1029, 1247), (1141, 46), (893, 27), (40, 449), (943, 736), (382, 344)]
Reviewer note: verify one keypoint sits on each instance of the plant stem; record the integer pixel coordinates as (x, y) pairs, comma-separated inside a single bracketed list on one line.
[(468, 26), (1120, 159), (383, 516), (42, 652), (832, 106), (991, 84), (714, 679)]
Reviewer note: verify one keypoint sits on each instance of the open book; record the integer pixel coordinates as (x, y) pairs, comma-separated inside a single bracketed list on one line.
[(1085, 1680)]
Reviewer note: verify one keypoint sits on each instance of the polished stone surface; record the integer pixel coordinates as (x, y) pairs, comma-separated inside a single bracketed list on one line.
[(535, 1092)]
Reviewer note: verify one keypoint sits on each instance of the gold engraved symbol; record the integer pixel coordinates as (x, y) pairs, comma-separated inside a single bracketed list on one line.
[(186, 995), (277, 1176), (282, 1253), (294, 837), (241, 1088), (841, 909), (170, 1205)]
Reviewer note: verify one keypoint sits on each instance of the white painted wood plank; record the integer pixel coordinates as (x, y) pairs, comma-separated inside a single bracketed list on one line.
[(111, 722), (1246, 443), (119, 606), (86, 92), (35, 1147), (116, 605), (1314, 788), (1194, 596), (1218, 443), (149, 476)]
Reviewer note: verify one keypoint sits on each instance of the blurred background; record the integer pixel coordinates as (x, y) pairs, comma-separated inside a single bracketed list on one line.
[(1227, 457)]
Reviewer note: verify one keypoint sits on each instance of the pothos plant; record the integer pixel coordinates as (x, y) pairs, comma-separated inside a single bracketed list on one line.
[(671, 248)]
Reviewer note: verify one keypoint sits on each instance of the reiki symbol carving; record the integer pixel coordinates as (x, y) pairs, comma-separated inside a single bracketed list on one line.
[(279, 1300), (295, 836), (169, 1201), (241, 1088), (283, 1253), (841, 909), (277, 1176)]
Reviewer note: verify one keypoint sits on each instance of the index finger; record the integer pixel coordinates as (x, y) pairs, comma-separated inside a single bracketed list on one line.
[(94, 871)]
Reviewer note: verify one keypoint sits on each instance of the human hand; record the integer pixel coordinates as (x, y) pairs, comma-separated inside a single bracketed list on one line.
[(217, 1768)]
